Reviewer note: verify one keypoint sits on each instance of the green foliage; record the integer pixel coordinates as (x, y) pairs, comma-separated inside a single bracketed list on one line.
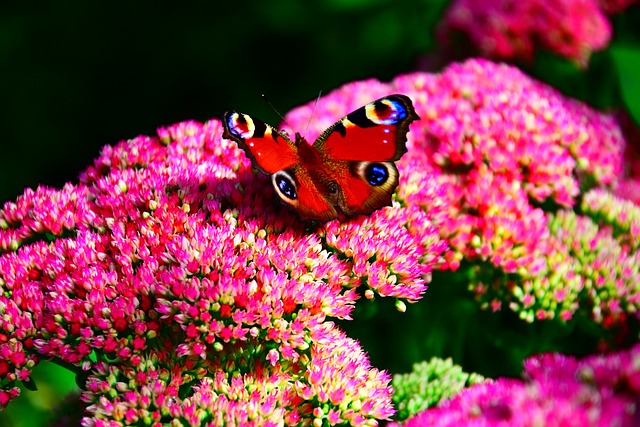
[(627, 66), (610, 80), (34, 408)]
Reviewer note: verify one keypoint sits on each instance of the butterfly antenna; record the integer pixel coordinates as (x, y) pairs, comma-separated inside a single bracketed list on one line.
[(266, 99), (313, 110)]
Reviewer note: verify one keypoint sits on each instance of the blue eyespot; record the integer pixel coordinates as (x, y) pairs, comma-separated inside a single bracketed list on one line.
[(386, 111), (286, 187), (376, 174), (240, 125), (399, 111)]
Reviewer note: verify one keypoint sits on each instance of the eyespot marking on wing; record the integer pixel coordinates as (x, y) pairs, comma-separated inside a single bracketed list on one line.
[(240, 125), (385, 111), (285, 185)]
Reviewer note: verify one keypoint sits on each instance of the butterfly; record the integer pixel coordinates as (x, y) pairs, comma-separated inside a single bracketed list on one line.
[(349, 170)]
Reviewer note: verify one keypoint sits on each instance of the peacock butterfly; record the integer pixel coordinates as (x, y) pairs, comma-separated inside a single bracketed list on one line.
[(348, 170)]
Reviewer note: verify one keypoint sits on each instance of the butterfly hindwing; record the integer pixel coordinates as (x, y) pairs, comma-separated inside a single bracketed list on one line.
[(358, 195), (307, 196), (349, 169)]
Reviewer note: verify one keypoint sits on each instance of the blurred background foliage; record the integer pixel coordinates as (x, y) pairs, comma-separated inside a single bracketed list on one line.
[(78, 75)]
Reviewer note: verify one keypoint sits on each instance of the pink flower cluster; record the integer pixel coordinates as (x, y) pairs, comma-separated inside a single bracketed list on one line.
[(558, 391), (615, 6), (501, 147), (172, 280), (600, 259), (514, 30), (333, 384)]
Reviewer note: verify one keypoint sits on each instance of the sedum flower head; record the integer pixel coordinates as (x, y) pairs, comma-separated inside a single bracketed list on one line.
[(505, 152), (558, 390), (331, 384), (615, 6), (515, 30), (177, 288)]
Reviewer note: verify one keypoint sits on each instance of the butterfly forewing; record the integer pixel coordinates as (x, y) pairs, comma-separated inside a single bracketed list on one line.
[(375, 132), (268, 149)]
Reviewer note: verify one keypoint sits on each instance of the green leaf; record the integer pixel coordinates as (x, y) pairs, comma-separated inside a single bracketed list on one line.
[(627, 64), (30, 385)]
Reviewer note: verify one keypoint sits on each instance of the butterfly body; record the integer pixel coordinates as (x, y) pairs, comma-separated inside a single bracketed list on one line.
[(348, 170)]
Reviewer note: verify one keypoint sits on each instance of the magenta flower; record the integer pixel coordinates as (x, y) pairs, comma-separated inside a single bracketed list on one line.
[(629, 189), (170, 280), (603, 260), (558, 391), (515, 30), (615, 6)]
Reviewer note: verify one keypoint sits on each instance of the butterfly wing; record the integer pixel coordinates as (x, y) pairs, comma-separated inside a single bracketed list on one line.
[(376, 132), (269, 150), (272, 152), (359, 150), (310, 197)]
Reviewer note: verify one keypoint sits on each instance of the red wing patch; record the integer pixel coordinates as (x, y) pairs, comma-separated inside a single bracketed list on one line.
[(376, 132), (268, 149)]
